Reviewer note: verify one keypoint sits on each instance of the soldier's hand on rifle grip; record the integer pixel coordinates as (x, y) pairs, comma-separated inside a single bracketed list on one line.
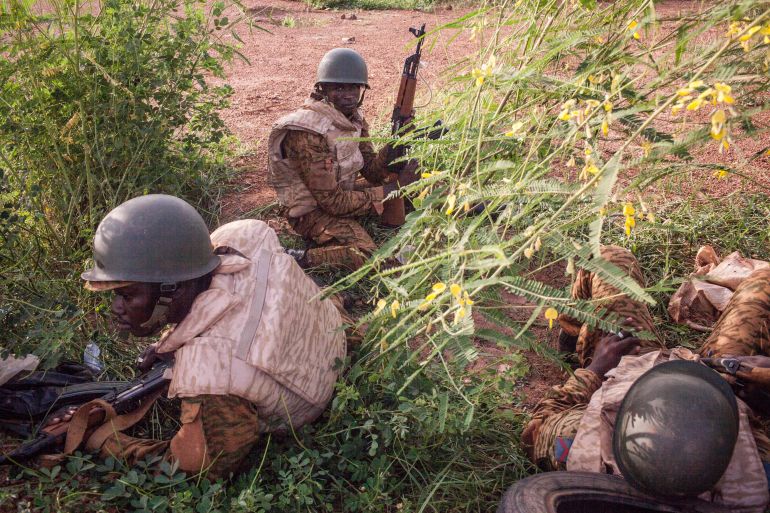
[(150, 356)]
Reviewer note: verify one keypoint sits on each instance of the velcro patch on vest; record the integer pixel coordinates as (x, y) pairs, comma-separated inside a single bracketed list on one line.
[(561, 448)]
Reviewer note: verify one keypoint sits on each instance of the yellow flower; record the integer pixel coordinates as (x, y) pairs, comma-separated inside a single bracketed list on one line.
[(529, 252), (538, 244), (486, 71), (564, 115), (466, 300), (647, 148), (630, 224), (381, 304), (466, 206), (450, 202), (422, 194), (383, 345), (607, 106), (683, 92), (723, 93), (676, 108), (720, 174), (651, 217), (749, 33), (605, 127), (591, 105), (514, 129), (428, 299), (695, 104), (632, 27), (439, 287), (455, 290), (591, 168), (394, 306), (628, 209), (734, 29), (459, 315), (718, 119), (551, 314)]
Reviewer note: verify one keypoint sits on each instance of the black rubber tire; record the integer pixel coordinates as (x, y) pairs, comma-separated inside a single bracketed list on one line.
[(584, 492)]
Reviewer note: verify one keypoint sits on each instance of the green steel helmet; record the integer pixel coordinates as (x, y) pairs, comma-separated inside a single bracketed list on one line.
[(152, 239), (676, 430), (342, 66)]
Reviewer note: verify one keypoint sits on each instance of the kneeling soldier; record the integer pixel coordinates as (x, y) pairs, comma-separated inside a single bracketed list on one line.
[(314, 167)]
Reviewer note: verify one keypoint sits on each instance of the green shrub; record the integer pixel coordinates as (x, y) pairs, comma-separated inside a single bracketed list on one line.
[(101, 101)]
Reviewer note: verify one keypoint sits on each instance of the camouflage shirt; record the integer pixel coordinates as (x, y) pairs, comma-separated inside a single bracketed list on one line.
[(309, 149)]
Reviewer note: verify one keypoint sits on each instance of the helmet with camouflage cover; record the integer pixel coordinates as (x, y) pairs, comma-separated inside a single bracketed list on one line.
[(342, 66), (676, 430), (153, 239)]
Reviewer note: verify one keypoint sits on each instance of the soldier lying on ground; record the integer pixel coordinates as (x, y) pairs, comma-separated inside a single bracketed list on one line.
[(572, 427), (315, 171), (243, 364)]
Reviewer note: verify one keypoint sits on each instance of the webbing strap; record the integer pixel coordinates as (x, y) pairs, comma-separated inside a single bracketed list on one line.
[(257, 304), (120, 423), (111, 422)]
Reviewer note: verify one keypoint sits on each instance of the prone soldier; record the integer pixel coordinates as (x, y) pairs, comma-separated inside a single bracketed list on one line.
[(588, 423), (242, 365)]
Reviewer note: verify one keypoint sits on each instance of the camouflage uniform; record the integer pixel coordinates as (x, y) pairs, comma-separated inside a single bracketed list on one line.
[(341, 239), (742, 330), (590, 287)]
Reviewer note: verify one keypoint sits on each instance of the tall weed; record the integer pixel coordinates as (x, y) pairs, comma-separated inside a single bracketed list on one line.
[(569, 116)]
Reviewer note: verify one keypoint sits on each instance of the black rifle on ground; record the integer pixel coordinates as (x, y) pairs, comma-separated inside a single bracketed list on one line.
[(123, 396)]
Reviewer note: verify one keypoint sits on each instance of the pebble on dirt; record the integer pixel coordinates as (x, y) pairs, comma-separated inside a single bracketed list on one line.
[(348, 40), (350, 16)]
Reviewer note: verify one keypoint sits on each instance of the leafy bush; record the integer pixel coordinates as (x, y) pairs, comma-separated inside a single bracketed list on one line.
[(102, 101)]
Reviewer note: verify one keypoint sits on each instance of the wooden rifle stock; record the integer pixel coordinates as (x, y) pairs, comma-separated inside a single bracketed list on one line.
[(394, 210)]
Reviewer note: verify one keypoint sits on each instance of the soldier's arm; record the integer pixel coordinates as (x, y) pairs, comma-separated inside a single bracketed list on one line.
[(375, 168), (577, 391), (311, 154)]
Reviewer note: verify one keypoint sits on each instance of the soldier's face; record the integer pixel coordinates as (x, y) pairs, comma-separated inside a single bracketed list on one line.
[(133, 305), (344, 97)]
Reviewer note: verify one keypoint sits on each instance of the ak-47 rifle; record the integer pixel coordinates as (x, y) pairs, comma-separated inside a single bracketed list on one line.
[(123, 396), (394, 213)]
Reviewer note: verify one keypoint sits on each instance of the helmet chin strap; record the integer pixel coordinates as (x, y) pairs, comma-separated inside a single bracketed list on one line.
[(159, 315)]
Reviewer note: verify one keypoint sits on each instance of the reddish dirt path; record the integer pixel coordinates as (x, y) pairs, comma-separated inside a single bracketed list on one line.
[(283, 66)]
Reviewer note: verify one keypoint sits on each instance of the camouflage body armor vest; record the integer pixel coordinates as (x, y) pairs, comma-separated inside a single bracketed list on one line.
[(323, 119), (259, 332)]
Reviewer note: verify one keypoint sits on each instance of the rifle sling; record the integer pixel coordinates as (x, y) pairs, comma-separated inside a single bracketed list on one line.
[(111, 423)]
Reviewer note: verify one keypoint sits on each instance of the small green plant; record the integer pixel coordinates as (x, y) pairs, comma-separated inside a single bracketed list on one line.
[(289, 21)]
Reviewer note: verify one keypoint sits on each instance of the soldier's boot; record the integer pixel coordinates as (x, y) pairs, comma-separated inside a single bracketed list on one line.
[(346, 257)]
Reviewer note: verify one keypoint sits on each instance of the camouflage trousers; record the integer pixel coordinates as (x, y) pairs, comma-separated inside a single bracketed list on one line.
[(590, 287), (742, 330), (217, 433), (342, 241)]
